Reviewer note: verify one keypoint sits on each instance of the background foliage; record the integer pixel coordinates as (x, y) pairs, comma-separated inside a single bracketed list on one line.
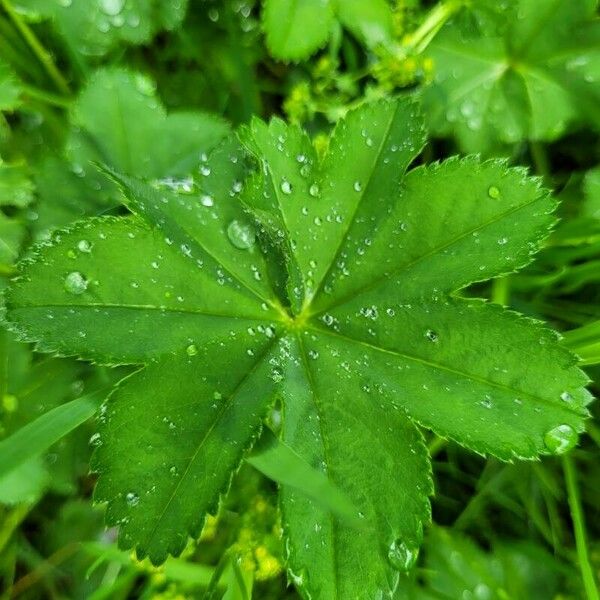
[(149, 89)]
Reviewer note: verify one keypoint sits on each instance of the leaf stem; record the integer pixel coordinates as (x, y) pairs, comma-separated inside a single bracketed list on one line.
[(36, 47), (11, 521), (435, 20), (43, 96), (587, 573)]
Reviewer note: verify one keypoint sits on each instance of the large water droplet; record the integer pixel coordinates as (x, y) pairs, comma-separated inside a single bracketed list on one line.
[(286, 186), (132, 499), (112, 7), (241, 235), (402, 557), (84, 246), (76, 283), (96, 440), (566, 397), (431, 335), (560, 439)]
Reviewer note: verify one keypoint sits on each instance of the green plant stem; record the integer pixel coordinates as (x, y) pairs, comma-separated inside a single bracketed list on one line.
[(587, 574), (37, 48), (11, 521), (434, 21), (45, 97)]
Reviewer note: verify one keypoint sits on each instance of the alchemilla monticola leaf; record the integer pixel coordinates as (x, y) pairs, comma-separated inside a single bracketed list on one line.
[(325, 285)]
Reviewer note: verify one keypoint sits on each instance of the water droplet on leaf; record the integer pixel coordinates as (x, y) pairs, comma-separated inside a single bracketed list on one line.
[(84, 246), (112, 7), (560, 439), (402, 557), (132, 499), (493, 192), (286, 186), (76, 283), (241, 235), (431, 335)]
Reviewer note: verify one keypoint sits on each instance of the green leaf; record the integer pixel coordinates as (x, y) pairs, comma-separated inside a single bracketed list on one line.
[(16, 188), (190, 432), (37, 436), (513, 570), (105, 288), (367, 339), (93, 27), (118, 117), (296, 29), (26, 483), (530, 80), (10, 90), (280, 463), (591, 188), (11, 237)]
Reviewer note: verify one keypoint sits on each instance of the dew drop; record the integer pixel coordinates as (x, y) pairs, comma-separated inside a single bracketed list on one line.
[(192, 350), (402, 557), (560, 439), (96, 440), (566, 397), (241, 235), (132, 499), (207, 200), (431, 335), (313, 190), (493, 192), (112, 7), (84, 246), (357, 186), (76, 283), (286, 186)]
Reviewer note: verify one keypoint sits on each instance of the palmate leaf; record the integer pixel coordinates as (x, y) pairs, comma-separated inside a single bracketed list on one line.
[(295, 30), (530, 77), (93, 27), (366, 338)]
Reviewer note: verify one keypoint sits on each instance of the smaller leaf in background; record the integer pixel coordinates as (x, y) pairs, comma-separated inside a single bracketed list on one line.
[(30, 441), (118, 117), (455, 567), (16, 187), (531, 78), (295, 30), (25, 483), (12, 234), (10, 90), (591, 188), (93, 27), (280, 463)]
